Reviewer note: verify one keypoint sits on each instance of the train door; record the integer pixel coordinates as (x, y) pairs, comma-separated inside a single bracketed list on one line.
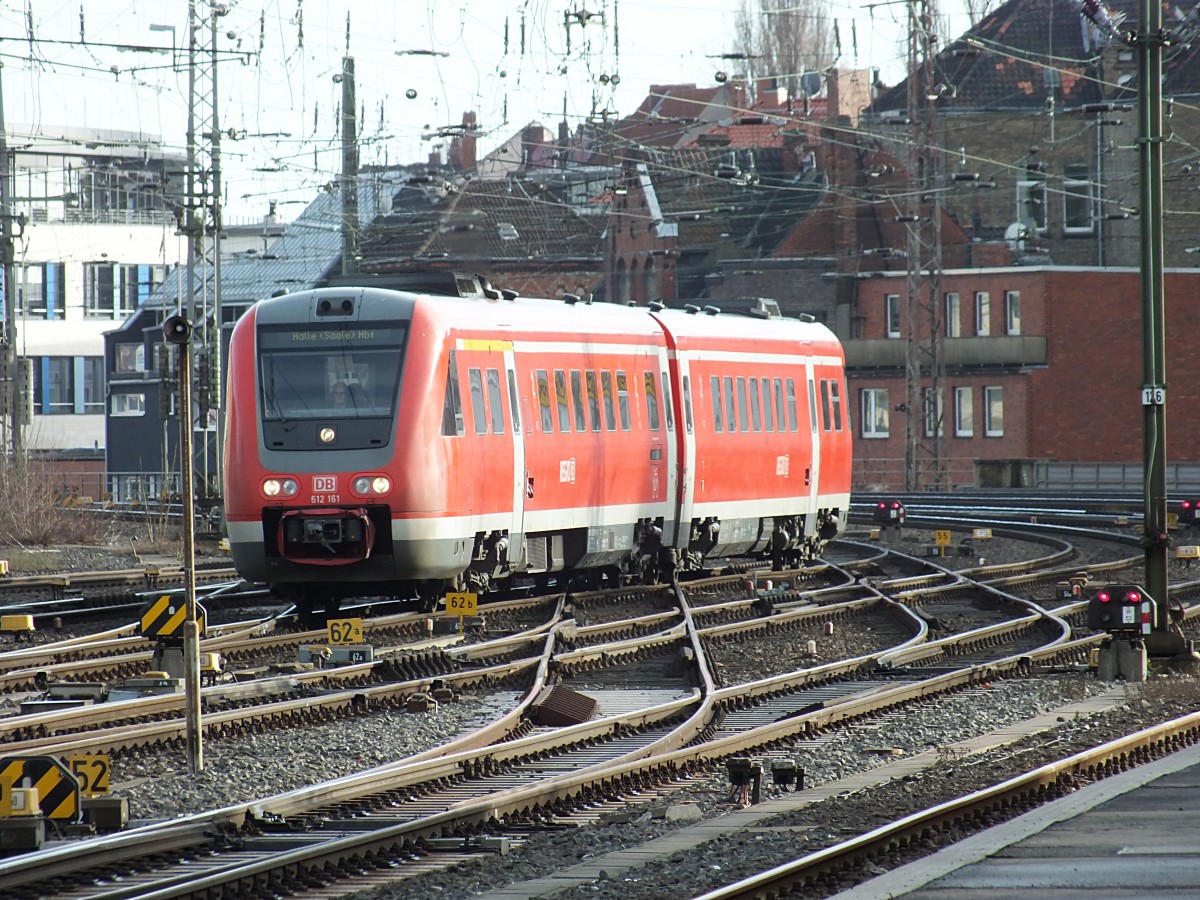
[(686, 464), (812, 469), (520, 475), (663, 452)]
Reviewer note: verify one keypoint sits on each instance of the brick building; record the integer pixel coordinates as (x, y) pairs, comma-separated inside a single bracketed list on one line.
[(1043, 366)]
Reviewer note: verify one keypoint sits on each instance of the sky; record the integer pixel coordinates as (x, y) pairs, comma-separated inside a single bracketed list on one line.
[(278, 101)]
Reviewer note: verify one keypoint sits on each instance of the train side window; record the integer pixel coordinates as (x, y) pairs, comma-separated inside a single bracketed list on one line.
[(790, 389), (606, 391), (478, 410), (623, 401), (687, 403), (668, 406), (452, 414), (651, 389), (755, 409), (495, 406), (730, 405), (514, 401), (835, 396), (825, 418), (714, 383), (543, 393), (812, 406), (743, 420), (577, 396), (564, 404), (593, 396), (768, 418), (779, 408)]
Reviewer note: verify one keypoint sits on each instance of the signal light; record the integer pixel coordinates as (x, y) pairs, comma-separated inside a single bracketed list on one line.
[(1104, 596)]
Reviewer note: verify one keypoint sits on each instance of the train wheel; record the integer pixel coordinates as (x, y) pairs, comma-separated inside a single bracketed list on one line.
[(430, 593)]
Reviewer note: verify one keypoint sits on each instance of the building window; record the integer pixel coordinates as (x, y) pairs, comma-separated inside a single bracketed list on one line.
[(892, 306), (131, 357), (1031, 199), (1012, 312), (93, 385), (953, 316), (993, 411), (128, 404), (874, 412), (1077, 200), (42, 290), (934, 424), (113, 290), (54, 385), (983, 313), (964, 412)]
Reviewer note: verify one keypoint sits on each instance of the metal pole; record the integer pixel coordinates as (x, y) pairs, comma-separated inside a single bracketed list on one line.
[(1150, 39), (178, 331), (10, 294)]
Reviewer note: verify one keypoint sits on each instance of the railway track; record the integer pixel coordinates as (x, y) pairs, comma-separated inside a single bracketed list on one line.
[(647, 749)]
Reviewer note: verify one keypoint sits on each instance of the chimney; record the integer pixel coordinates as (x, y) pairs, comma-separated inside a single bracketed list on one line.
[(462, 148)]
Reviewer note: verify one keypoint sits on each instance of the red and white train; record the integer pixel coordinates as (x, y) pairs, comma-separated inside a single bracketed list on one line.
[(485, 437)]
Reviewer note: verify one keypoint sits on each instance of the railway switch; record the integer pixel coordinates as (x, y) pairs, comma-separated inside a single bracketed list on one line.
[(1125, 610)]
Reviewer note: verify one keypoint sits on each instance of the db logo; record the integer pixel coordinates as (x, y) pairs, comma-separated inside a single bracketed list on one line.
[(324, 483)]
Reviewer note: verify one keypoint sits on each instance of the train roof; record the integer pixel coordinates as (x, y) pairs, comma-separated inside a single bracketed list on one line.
[(536, 315)]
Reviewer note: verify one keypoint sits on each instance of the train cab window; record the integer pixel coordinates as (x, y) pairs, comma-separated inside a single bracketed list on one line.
[(812, 406), (714, 383), (755, 409), (730, 405), (687, 403), (668, 406), (452, 414), (835, 400), (606, 389), (743, 420), (494, 403), (623, 401), (779, 407), (768, 410), (564, 404), (329, 372), (577, 396), (543, 395), (593, 396), (478, 410), (825, 420), (651, 390), (514, 401)]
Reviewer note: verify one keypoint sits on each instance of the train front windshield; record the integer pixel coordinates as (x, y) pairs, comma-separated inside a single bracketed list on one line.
[(343, 371)]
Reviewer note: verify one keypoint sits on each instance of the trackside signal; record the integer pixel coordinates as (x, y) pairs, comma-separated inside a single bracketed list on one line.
[(1122, 609), (889, 512)]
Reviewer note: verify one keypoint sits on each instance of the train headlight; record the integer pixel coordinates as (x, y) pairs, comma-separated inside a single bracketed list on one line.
[(286, 487), (372, 484)]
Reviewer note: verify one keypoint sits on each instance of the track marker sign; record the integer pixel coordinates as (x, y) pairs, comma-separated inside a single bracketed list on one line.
[(345, 631), (92, 772)]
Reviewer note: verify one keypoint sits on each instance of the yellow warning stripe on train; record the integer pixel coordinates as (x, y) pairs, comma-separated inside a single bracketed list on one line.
[(484, 344)]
